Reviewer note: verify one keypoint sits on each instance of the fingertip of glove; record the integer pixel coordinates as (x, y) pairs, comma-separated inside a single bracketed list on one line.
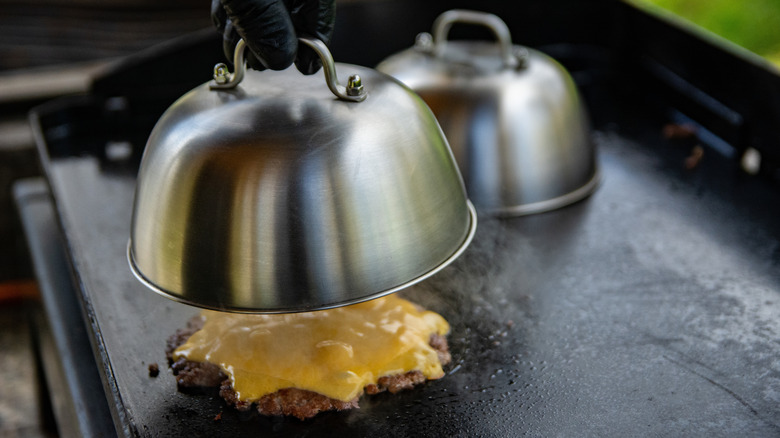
[(308, 67), (307, 61), (253, 62), (274, 57)]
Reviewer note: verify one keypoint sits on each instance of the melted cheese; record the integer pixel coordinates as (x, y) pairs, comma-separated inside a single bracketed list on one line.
[(333, 352)]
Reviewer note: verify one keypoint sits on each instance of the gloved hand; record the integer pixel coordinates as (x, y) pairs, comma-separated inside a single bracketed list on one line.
[(271, 28)]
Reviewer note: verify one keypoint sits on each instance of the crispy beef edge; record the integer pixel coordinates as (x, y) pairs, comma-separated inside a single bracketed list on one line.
[(295, 402)]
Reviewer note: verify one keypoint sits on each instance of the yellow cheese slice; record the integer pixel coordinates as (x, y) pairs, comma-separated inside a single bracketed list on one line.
[(335, 352)]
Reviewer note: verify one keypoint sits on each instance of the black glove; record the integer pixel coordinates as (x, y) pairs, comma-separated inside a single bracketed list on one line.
[(271, 28)]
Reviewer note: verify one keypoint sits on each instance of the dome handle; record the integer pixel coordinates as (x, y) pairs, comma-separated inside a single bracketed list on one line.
[(353, 92), (443, 23)]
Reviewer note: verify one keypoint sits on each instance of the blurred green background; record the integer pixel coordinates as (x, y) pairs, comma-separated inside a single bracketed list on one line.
[(752, 24)]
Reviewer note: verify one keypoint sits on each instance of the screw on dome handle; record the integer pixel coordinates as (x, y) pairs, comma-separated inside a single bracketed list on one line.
[(223, 80), (353, 92)]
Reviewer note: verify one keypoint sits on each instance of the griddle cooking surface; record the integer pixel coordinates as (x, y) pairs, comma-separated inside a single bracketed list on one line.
[(653, 307)]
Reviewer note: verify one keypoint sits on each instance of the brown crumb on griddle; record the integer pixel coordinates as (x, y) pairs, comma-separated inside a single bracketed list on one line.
[(218, 417), (154, 370)]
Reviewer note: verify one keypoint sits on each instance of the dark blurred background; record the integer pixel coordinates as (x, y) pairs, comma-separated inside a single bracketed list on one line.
[(50, 48), (38, 33)]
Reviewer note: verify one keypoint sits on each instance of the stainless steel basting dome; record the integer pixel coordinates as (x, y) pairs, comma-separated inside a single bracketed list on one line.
[(277, 196), (514, 119)]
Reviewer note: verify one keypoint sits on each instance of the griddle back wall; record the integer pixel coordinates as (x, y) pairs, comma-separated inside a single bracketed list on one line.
[(736, 94)]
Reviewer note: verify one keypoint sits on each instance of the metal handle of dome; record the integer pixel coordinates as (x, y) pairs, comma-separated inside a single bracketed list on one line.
[(443, 23), (353, 91)]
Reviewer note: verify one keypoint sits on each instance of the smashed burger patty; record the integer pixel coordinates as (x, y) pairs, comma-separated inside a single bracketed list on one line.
[(304, 363)]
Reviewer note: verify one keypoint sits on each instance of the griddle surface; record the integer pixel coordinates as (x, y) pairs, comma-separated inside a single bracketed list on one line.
[(650, 308)]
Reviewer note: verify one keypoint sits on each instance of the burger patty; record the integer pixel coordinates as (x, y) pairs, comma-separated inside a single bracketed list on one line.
[(296, 402)]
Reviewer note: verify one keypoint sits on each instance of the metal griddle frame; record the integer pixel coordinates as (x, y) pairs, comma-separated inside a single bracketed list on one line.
[(624, 59)]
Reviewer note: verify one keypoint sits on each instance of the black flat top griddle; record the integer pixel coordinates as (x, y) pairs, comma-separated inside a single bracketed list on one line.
[(650, 308)]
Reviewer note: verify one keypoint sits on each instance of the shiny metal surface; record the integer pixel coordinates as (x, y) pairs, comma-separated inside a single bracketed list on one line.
[(519, 131), (277, 197)]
